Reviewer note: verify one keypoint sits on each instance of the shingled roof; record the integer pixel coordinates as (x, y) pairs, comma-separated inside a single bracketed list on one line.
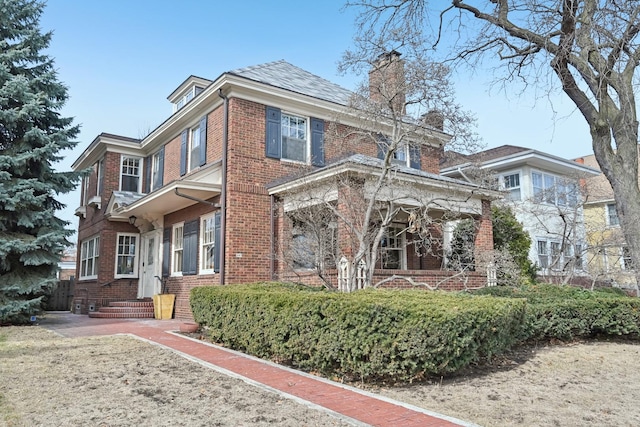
[(284, 75), (452, 158)]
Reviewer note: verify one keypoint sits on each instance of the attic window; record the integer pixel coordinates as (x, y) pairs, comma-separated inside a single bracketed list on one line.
[(188, 96)]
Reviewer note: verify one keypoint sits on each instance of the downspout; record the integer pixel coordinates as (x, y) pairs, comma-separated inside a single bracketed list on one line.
[(272, 243), (223, 194)]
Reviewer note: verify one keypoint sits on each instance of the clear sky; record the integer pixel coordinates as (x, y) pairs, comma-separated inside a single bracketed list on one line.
[(120, 60)]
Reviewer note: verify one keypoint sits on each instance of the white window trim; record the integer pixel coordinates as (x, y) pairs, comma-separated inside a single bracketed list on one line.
[(173, 248), (96, 246), (307, 159), (503, 187), (201, 269), (99, 176), (608, 216), (402, 249), (195, 127), (136, 257), (556, 196), (140, 171), (155, 162)]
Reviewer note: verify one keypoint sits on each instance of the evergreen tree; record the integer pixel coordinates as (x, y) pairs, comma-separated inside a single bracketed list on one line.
[(509, 235), (32, 135)]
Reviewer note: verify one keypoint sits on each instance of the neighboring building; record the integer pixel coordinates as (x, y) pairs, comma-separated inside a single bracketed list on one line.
[(67, 265), (608, 257), (199, 201), (544, 192)]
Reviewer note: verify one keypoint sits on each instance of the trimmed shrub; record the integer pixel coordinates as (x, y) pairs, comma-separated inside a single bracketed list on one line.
[(566, 312), (365, 335)]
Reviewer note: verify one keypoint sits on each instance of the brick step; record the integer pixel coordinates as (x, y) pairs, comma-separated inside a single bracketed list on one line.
[(122, 315), (137, 303), (112, 309)]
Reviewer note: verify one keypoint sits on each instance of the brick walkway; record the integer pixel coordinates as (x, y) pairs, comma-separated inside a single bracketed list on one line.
[(361, 407)]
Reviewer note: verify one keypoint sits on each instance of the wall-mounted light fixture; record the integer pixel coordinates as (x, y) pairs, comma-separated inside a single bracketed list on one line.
[(132, 220)]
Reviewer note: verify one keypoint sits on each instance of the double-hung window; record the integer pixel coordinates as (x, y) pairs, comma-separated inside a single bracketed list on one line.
[(209, 236), (511, 183), (100, 180), (293, 137), (543, 254), (612, 215), (157, 161), (392, 249), (177, 249), (130, 171), (89, 256), (127, 255), (193, 147), (627, 260)]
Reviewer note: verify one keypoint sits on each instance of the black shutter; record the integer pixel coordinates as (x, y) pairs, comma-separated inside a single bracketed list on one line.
[(273, 139), (147, 174), (414, 156), (203, 141), (217, 242), (317, 142), (160, 179), (166, 251), (183, 153), (190, 251)]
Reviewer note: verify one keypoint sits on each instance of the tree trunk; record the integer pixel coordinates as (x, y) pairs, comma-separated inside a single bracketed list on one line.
[(621, 169)]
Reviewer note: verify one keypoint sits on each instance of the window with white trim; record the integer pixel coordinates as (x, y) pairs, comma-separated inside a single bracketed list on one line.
[(556, 256), (156, 172), (130, 174), (89, 257), (627, 260), (554, 190), (126, 255), (207, 244), (511, 183), (194, 148), (294, 137), (184, 99), (543, 254), (177, 249), (612, 215), (392, 249), (100, 180)]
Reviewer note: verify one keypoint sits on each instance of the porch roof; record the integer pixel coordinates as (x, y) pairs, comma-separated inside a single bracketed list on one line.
[(170, 198), (367, 165)]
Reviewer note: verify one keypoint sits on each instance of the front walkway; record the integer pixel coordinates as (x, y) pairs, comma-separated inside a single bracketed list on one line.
[(354, 405)]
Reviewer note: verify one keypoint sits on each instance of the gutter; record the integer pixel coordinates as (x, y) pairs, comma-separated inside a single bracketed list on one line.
[(223, 194)]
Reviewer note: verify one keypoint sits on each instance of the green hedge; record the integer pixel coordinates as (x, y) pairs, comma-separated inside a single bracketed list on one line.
[(566, 312), (366, 335)]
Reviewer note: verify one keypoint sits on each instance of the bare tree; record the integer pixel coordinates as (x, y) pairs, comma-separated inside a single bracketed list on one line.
[(591, 46)]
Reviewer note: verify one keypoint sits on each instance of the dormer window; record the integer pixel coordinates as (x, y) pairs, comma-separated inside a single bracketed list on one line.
[(188, 96)]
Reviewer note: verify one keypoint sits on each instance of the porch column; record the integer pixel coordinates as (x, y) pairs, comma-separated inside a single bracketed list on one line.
[(351, 202)]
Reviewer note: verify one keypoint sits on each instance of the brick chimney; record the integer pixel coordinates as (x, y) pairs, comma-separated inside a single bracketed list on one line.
[(434, 119), (387, 81)]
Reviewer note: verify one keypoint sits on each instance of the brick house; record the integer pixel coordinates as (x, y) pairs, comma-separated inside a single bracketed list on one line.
[(203, 198)]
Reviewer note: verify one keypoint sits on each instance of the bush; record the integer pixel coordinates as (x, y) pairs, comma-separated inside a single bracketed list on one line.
[(366, 335), (566, 312)]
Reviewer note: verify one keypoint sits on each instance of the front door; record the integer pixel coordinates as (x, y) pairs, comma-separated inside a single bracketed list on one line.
[(149, 283)]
